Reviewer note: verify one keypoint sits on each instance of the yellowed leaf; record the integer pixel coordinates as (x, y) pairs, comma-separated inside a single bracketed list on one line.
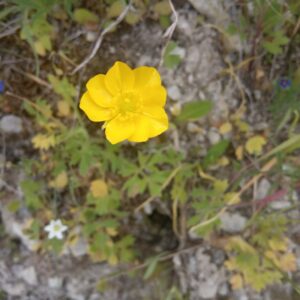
[(206, 176), (111, 231), (112, 260), (162, 8), (225, 128), (60, 181), (39, 48), (223, 161), (232, 198), (98, 188), (43, 141), (63, 108), (255, 144), (278, 244), (238, 242), (259, 74), (288, 263), (115, 9), (239, 152), (96, 256), (236, 281), (242, 126), (230, 264), (220, 186)]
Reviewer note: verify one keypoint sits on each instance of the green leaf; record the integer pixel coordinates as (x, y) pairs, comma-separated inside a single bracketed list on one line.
[(7, 11), (288, 146), (163, 8), (171, 60), (272, 48), (14, 206), (83, 16), (194, 110), (164, 21), (215, 152), (152, 264), (31, 190), (63, 87), (116, 9)]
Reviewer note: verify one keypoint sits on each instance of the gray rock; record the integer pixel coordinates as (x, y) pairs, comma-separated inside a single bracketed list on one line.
[(213, 136), (28, 275), (192, 59), (193, 128), (80, 248), (91, 36), (280, 204), (174, 92), (15, 228), (224, 289), (75, 289), (55, 282), (263, 188), (279, 292), (11, 124), (213, 9), (198, 275), (233, 222), (14, 289)]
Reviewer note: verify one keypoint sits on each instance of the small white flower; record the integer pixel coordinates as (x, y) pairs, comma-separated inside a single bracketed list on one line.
[(56, 229)]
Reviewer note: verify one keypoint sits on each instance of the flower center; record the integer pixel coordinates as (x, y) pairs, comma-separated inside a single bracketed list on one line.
[(128, 103), (56, 228)]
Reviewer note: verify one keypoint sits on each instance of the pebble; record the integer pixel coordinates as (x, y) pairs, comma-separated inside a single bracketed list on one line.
[(55, 282), (233, 222), (263, 188), (193, 128), (91, 36), (280, 204), (192, 59), (13, 289), (213, 137), (176, 109), (174, 92), (28, 275), (11, 124)]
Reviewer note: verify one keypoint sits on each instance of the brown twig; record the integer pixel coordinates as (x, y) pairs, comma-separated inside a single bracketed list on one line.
[(169, 32), (100, 39)]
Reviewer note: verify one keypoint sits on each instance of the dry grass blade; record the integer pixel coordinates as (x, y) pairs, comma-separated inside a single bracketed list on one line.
[(98, 43)]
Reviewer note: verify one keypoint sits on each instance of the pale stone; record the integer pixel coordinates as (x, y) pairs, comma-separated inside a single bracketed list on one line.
[(11, 124), (233, 222)]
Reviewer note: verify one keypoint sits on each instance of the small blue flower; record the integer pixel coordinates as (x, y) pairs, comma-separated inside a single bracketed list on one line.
[(285, 83), (1, 86)]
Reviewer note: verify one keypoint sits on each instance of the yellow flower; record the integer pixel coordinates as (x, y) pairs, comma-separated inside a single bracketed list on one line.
[(131, 102)]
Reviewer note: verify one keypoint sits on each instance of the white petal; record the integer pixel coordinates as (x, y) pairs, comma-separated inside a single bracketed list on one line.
[(51, 235), (48, 228), (59, 235), (64, 228)]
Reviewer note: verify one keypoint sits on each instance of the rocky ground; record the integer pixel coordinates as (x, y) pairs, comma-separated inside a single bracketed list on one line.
[(25, 274)]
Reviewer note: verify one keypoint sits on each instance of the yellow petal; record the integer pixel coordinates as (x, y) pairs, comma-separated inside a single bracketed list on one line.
[(98, 92), (142, 129), (153, 95), (156, 112), (146, 127), (119, 78), (117, 130), (94, 112), (146, 76)]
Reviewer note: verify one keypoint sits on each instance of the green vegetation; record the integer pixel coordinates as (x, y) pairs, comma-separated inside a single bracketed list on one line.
[(77, 176)]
